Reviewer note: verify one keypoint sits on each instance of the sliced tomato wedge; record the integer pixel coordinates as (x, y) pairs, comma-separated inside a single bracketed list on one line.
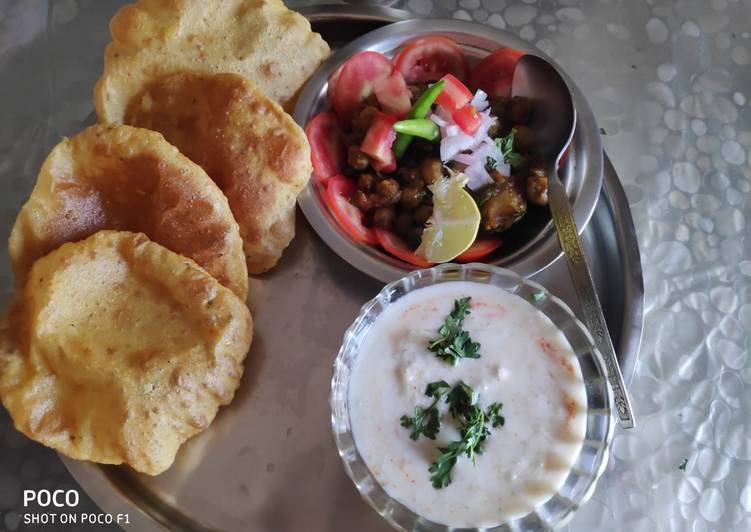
[(495, 71), (500, 88), (387, 166), (454, 95), (480, 248), (378, 141), (394, 245), (430, 58), (356, 82), (327, 152), (339, 190), (393, 95), (332, 84), (468, 119)]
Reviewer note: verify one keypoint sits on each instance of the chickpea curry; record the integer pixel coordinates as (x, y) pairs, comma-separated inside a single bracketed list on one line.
[(397, 127)]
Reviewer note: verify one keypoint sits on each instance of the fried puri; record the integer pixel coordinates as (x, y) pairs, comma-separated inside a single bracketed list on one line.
[(117, 350), (259, 39), (120, 177), (248, 145)]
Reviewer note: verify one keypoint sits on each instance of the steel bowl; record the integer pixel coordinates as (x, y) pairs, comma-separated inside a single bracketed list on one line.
[(532, 244), (593, 457)]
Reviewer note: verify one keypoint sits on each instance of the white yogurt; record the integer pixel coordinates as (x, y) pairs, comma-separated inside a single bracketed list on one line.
[(526, 364)]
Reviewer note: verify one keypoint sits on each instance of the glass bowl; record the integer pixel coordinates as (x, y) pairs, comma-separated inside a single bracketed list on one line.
[(592, 459)]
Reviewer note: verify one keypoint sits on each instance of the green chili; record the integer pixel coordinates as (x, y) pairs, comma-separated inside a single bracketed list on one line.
[(419, 110), (423, 104), (418, 127)]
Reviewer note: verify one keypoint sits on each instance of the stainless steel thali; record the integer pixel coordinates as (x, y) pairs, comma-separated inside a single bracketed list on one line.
[(268, 462)]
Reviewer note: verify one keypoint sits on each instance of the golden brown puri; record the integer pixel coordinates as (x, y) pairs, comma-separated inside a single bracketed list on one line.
[(259, 39), (117, 350), (248, 145), (120, 177)]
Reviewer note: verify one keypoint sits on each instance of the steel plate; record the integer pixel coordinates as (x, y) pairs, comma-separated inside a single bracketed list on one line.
[(268, 462), (531, 245)]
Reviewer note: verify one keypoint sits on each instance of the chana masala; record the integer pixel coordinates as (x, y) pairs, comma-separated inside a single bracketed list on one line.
[(396, 126)]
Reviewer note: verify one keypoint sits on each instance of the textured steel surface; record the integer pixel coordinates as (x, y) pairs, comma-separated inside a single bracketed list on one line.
[(50, 56)]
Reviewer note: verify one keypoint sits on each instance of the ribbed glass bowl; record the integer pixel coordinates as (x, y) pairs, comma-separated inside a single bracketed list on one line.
[(593, 456)]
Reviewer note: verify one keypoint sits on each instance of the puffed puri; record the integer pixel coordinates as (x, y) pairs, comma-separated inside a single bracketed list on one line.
[(129, 179), (117, 350), (257, 155), (261, 40)]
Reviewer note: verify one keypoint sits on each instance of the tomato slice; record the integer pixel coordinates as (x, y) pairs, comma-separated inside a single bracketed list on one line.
[(480, 248), (430, 58), (495, 70), (393, 95), (339, 190), (327, 151), (332, 84), (394, 245), (356, 82), (378, 141), (454, 95), (387, 166), (500, 88), (468, 119)]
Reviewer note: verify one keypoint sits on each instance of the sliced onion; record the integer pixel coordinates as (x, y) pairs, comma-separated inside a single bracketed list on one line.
[(471, 150), (440, 122), (480, 100), (453, 130), (485, 123), (450, 146), (465, 158), (478, 176)]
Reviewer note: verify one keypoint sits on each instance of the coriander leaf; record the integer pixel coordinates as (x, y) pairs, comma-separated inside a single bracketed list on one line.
[(490, 164), (683, 465), (494, 415), (454, 343), (602, 131), (474, 432), (461, 399), (426, 421), (464, 407), (535, 297), (506, 145), (441, 469), (437, 389)]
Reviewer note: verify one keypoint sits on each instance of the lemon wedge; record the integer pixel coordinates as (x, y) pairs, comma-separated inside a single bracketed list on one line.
[(453, 227)]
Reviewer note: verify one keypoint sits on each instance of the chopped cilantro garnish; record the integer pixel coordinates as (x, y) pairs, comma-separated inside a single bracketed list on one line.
[(464, 407), (506, 145), (427, 421), (455, 343)]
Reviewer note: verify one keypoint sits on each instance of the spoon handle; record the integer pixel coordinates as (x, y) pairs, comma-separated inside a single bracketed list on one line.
[(578, 268)]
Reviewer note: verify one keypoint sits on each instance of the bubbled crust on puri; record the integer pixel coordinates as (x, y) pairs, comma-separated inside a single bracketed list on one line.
[(117, 350), (253, 150), (259, 39), (120, 177)]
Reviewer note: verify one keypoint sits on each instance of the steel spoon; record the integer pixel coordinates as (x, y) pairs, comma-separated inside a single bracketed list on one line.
[(554, 121)]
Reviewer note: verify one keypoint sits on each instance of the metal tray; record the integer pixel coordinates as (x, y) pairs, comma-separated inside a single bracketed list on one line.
[(268, 462)]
